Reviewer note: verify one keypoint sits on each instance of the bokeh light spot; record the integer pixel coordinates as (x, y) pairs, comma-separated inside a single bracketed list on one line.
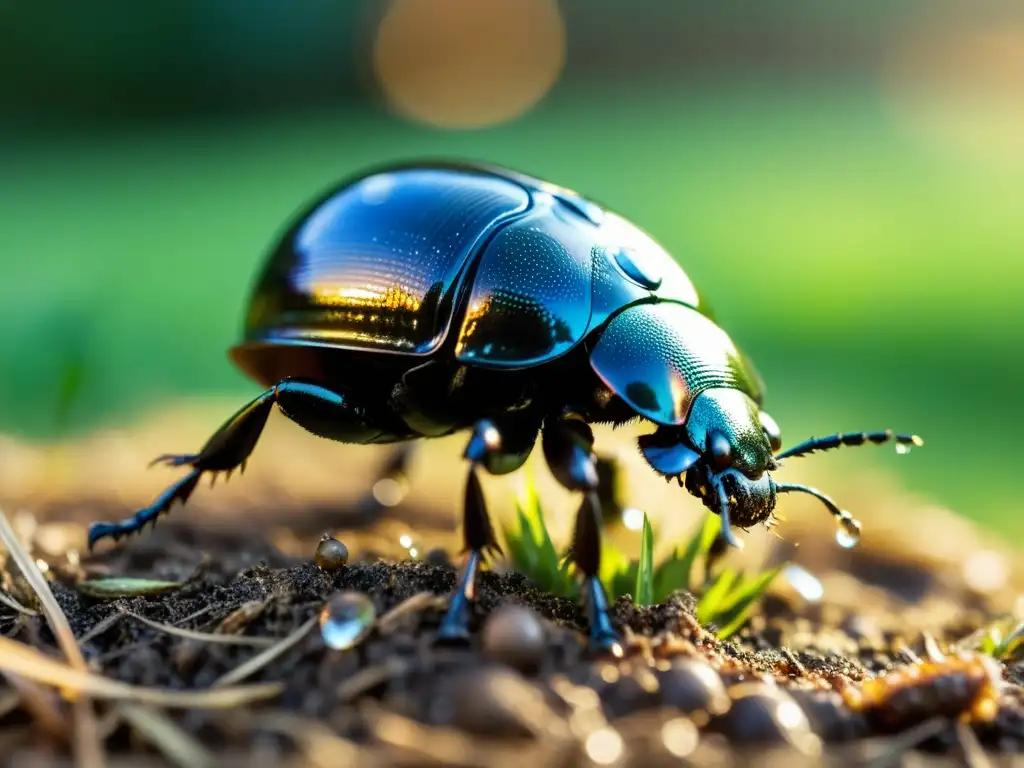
[(467, 63), (961, 88)]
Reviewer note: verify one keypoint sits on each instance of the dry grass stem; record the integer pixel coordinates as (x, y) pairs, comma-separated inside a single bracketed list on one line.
[(367, 679), (320, 745), (394, 618), (42, 705), (102, 626), (22, 660), (204, 637), (260, 660), (13, 604), (88, 747), (179, 748)]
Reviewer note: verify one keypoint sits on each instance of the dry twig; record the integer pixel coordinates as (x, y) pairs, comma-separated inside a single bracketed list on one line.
[(20, 659), (260, 660), (204, 637), (87, 745)]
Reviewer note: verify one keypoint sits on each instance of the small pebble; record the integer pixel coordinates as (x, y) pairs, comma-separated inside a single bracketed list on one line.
[(633, 690), (691, 685), (764, 714), (331, 554), (346, 619), (514, 635), (500, 702), (437, 556)]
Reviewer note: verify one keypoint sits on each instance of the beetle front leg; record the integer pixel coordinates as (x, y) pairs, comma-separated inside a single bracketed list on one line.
[(320, 410), (568, 449)]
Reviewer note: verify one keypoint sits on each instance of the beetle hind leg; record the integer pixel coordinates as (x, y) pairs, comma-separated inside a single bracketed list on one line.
[(322, 411)]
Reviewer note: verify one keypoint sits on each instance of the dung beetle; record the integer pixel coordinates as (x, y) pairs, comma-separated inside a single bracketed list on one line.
[(420, 300)]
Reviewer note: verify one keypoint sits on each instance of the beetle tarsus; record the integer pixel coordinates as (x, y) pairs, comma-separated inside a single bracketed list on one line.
[(175, 460), (455, 624), (180, 491)]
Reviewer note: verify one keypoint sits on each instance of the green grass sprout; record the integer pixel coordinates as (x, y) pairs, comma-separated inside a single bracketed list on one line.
[(531, 550), (1002, 640), (643, 594), (724, 600)]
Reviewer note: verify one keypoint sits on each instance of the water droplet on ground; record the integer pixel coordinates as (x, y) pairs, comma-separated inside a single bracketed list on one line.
[(346, 620), (331, 554)]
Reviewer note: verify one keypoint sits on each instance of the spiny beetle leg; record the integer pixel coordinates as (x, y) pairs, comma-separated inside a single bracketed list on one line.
[(477, 533), (180, 491), (586, 554), (568, 448), (320, 410)]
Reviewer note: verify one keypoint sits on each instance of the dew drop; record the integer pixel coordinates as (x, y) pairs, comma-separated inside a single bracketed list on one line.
[(804, 582), (405, 540), (346, 620), (902, 449)]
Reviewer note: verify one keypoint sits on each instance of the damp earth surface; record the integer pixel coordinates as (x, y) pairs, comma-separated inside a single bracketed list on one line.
[(361, 679)]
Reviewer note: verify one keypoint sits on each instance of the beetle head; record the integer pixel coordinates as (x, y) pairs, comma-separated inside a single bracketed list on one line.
[(727, 448), (725, 451)]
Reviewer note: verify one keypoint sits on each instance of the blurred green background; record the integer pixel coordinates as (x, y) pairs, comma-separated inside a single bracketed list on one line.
[(845, 183)]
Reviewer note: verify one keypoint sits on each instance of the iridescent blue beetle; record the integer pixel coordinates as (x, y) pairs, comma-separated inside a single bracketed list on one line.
[(418, 301)]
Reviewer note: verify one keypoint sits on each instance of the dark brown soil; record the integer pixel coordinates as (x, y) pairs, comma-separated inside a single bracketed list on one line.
[(398, 698)]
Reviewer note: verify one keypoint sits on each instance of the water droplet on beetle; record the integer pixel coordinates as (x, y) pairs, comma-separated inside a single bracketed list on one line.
[(848, 534), (405, 540), (804, 582), (346, 619)]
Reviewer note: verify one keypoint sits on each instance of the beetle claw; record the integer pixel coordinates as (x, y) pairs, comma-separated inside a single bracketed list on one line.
[(175, 459)]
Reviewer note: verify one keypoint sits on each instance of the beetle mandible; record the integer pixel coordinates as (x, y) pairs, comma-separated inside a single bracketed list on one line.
[(420, 300)]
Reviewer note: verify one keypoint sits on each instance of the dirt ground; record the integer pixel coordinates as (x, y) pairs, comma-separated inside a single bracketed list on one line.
[(779, 693)]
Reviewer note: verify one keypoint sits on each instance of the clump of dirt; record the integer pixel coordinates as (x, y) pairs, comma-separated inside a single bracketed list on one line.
[(780, 693)]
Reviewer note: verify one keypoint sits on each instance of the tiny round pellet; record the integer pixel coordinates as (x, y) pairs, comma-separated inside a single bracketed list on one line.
[(513, 635), (331, 554)]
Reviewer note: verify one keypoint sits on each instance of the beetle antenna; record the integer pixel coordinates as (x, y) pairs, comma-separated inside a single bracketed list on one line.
[(850, 526), (850, 438)]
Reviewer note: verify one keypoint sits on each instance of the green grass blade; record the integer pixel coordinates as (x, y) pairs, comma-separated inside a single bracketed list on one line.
[(709, 602), (676, 572), (643, 593), (1011, 643), (521, 546), (735, 608), (543, 566), (615, 571)]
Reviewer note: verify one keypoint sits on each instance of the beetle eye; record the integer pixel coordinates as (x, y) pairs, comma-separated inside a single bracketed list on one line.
[(771, 431), (721, 450)]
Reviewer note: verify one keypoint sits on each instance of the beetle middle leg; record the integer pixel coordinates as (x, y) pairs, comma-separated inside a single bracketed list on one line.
[(568, 449), (498, 450), (324, 412)]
